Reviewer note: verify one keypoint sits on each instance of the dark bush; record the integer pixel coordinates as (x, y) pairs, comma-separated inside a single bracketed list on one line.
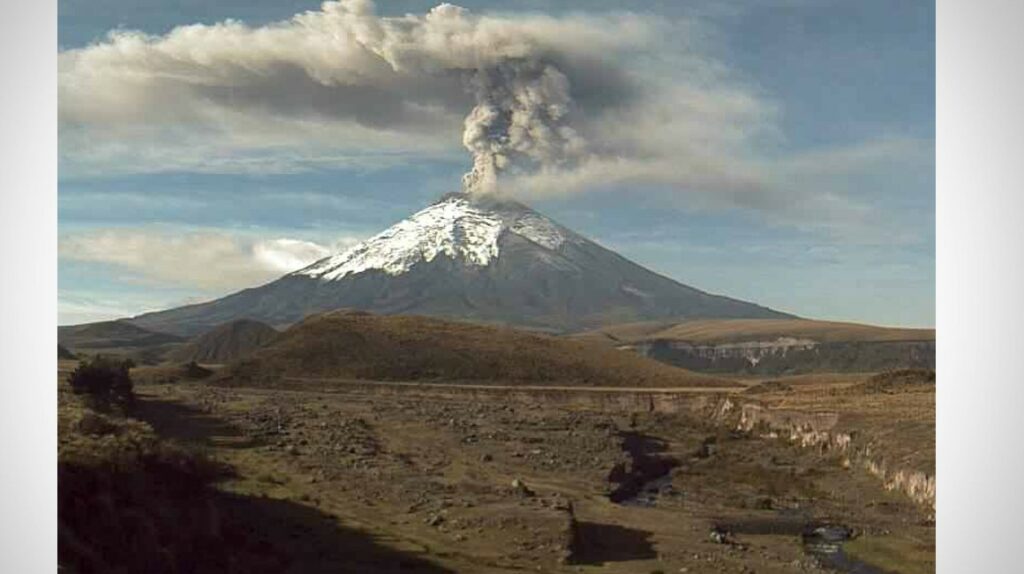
[(194, 371), (103, 378)]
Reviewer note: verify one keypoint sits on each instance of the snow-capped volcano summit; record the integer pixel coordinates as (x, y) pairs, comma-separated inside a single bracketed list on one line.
[(467, 257), (459, 226)]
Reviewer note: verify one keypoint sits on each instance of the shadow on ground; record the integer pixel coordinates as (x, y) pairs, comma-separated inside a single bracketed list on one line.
[(309, 541), (188, 424), (159, 511), (595, 544), (127, 522)]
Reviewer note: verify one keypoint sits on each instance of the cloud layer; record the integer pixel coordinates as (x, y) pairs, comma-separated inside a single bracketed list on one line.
[(207, 260)]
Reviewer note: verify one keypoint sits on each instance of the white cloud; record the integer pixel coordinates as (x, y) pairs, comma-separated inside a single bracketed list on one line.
[(287, 255), (207, 260), (75, 308)]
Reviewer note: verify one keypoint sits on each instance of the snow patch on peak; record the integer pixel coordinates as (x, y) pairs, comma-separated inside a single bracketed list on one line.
[(457, 226), (453, 227), (539, 230)]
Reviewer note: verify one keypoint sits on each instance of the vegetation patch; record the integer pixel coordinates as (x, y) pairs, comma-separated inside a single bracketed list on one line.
[(899, 381), (103, 379), (893, 554)]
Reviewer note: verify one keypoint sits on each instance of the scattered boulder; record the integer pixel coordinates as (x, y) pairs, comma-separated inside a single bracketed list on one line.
[(434, 520), (519, 488), (708, 448), (720, 535)]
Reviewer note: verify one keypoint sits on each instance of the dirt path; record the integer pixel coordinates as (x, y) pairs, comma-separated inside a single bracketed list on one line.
[(524, 388)]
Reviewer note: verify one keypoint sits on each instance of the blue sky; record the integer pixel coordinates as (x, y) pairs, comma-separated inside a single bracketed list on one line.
[(816, 117)]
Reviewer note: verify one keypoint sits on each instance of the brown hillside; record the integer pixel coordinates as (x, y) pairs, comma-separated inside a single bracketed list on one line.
[(357, 345), (898, 381), (110, 334), (227, 342), (716, 331)]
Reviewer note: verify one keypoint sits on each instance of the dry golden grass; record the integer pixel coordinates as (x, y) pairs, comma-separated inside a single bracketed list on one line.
[(412, 348), (225, 343), (716, 331)]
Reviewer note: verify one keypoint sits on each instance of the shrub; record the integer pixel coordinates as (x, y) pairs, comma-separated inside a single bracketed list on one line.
[(194, 371), (103, 378)]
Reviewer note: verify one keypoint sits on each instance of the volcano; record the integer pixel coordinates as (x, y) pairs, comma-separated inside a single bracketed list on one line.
[(481, 259)]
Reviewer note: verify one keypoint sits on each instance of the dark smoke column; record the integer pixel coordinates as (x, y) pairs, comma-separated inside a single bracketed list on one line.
[(518, 122)]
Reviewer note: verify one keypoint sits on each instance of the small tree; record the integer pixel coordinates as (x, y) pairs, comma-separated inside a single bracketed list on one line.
[(103, 378)]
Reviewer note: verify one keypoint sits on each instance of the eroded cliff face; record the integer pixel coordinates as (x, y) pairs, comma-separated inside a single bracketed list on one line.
[(824, 432), (790, 355)]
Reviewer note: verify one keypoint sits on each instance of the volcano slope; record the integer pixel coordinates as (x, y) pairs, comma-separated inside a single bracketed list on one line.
[(363, 346), (479, 259)]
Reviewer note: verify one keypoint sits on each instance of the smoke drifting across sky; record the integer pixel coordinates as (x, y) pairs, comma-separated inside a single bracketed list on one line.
[(555, 105), (536, 96), (393, 83)]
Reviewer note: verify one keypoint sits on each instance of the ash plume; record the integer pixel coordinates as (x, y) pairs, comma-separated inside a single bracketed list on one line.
[(519, 120), (507, 80), (545, 105), (520, 117)]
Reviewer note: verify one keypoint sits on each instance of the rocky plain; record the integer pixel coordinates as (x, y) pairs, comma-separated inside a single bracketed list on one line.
[(791, 475)]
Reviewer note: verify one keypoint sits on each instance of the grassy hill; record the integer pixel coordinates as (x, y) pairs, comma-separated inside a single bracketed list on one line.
[(226, 343), (357, 345)]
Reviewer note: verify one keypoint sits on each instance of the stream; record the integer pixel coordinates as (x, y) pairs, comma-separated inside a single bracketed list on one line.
[(822, 540), (648, 475)]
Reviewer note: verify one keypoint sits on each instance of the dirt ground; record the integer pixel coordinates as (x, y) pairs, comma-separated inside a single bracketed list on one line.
[(471, 485)]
